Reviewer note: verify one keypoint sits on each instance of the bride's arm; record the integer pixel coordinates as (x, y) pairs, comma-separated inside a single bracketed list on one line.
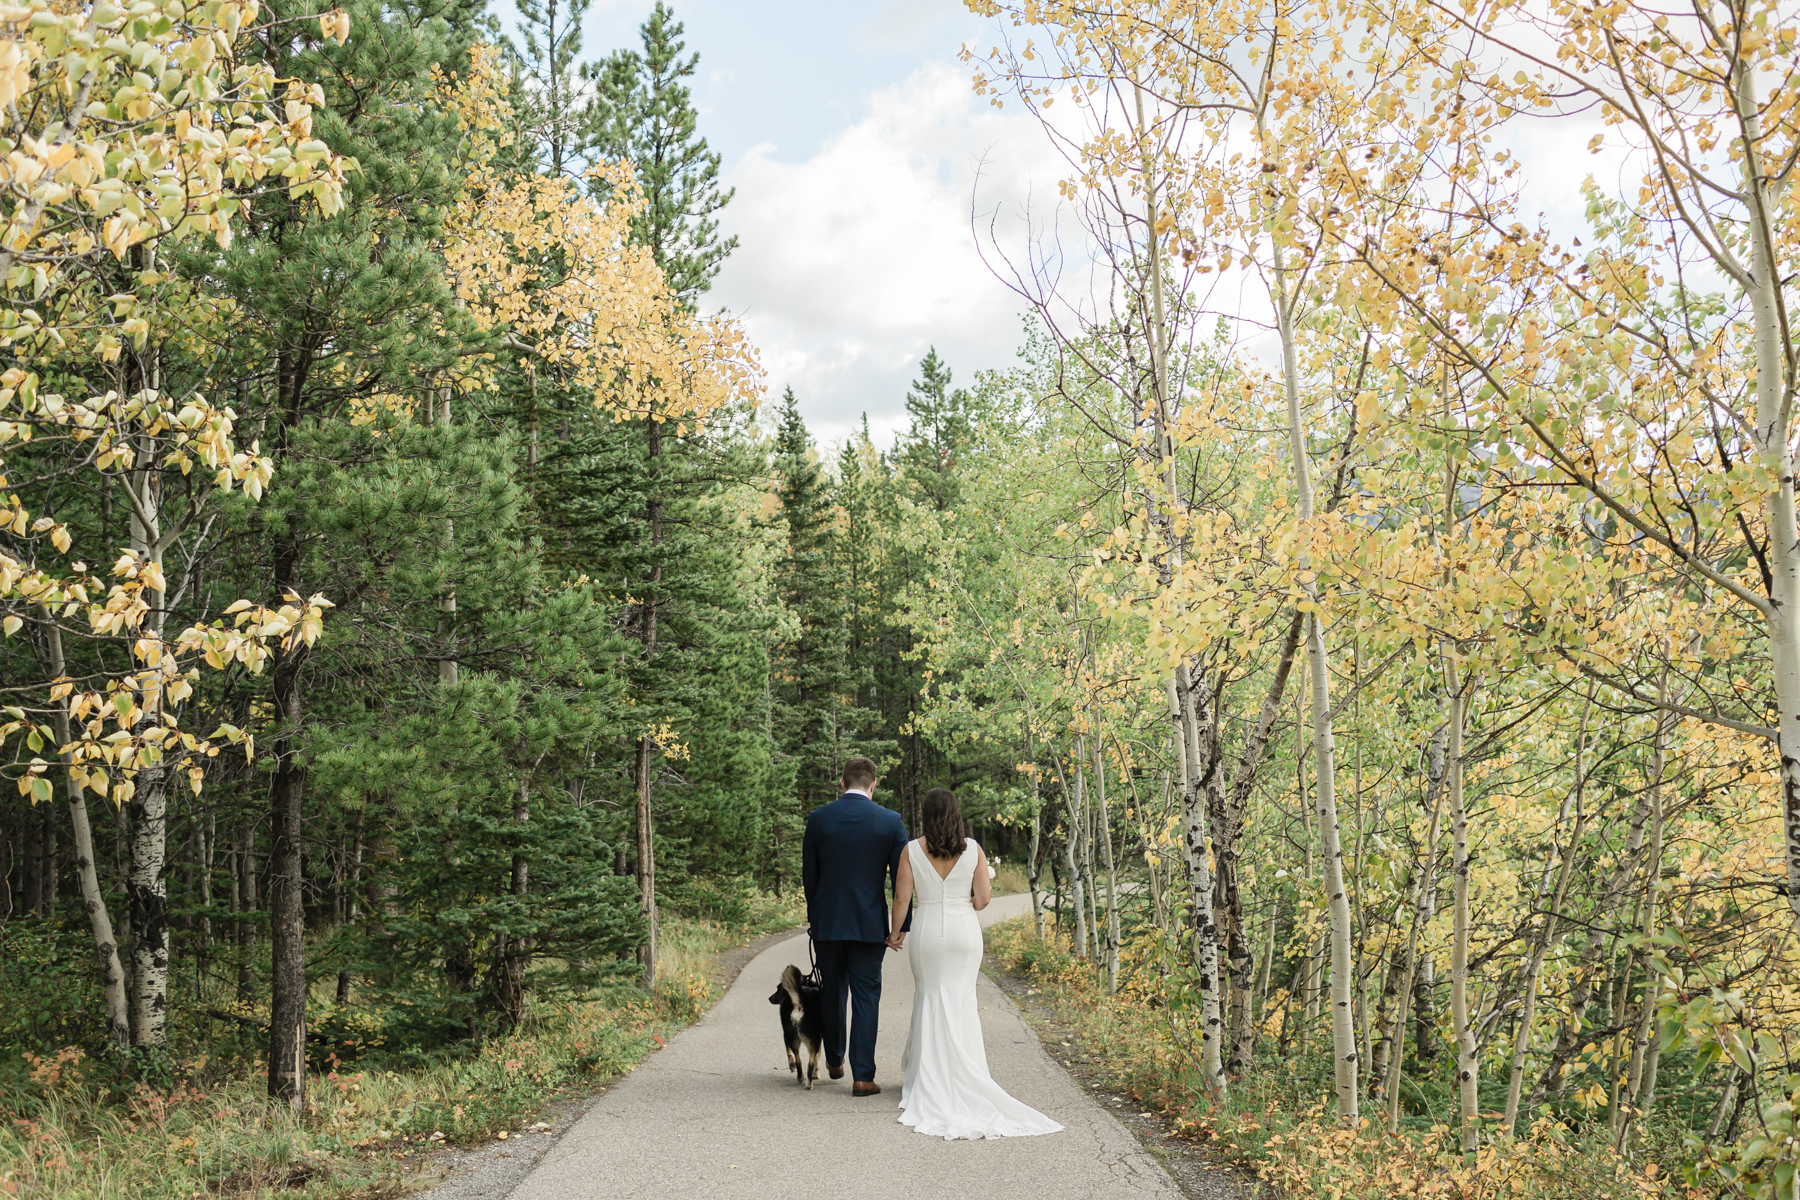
[(984, 887), (903, 889)]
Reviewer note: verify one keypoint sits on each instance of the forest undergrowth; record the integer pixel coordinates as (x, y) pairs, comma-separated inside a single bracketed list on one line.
[(75, 1128), (1276, 1120)]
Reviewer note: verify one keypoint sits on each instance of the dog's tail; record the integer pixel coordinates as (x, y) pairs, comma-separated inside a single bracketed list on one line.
[(790, 983)]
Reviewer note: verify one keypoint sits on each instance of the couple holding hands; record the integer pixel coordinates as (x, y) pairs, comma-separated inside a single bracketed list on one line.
[(852, 850)]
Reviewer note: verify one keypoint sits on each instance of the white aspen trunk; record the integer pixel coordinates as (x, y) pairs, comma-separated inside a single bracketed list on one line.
[(1364, 1045), (1198, 715), (1091, 877), (1568, 1040), (1079, 943), (1644, 1039), (1112, 880), (1182, 717), (1075, 805), (1311, 966), (1534, 967), (1467, 1062), (1727, 1102), (1773, 420), (1424, 894), (93, 900), (1528, 1004), (147, 879), (1424, 994), (646, 850), (1343, 1025), (1032, 866)]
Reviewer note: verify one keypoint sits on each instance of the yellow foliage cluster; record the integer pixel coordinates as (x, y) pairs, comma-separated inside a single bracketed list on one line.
[(550, 269), (124, 124)]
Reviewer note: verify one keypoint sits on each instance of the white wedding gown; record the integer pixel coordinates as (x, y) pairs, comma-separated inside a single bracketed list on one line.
[(948, 1092)]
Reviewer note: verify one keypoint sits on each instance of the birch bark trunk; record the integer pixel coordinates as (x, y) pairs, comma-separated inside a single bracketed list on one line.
[(1074, 802), (1201, 761), (1541, 948), (1033, 868), (1182, 716), (1581, 991), (1774, 414), (93, 900), (1533, 972), (1467, 1062), (1112, 881), (1343, 1027), (147, 886), (645, 765), (1644, 1041), (1424, 894)]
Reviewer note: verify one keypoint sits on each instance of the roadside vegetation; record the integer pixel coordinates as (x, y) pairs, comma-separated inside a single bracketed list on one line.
[(76, 1128), (1275, 1121)]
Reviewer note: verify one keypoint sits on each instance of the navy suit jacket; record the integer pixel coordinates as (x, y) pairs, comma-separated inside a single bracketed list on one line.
[(850, 855)]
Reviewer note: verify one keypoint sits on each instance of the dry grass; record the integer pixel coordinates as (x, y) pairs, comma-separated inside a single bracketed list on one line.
[(1275, 1122), (1010, 880), (66, 1139)]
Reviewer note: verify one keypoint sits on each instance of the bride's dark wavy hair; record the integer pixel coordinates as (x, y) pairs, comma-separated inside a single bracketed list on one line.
[(943, 821)]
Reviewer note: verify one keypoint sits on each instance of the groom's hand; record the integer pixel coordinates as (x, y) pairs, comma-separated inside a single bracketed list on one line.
[(896, 941)]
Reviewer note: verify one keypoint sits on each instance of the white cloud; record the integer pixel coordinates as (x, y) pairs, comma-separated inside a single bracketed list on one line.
[(853, 262)]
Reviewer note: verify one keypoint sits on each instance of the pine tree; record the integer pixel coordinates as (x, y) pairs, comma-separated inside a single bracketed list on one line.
[(554, 106), (941, 431), (334, 310), (811, 667), (864, 489), (646, 114), (929, 458)]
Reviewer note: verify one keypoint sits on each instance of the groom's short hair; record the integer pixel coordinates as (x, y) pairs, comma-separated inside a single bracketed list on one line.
[(859, 773)]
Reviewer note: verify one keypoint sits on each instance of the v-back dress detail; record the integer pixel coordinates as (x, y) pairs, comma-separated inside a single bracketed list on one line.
[(947, 1091)]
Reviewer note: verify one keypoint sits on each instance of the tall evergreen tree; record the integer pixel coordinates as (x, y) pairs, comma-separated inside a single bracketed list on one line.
[(942, 429), (646, 114), (333, 311), (811, 667), (863, 490), (554, 106), (928, 460)]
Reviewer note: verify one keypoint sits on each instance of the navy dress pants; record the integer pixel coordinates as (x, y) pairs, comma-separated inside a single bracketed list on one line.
[(852, 970)]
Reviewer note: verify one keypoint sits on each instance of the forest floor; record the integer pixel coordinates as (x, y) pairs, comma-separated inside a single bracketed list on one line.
[(1075, 1049), (374, 1130), (715, 1113)]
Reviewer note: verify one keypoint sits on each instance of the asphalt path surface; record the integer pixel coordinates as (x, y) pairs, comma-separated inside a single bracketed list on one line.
[(717, 1115)]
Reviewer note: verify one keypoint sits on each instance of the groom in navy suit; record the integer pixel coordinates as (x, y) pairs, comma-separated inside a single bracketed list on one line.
[(850, 856)]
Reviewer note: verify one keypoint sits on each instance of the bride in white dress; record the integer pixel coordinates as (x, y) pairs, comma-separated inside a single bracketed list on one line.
[(948, 1092)]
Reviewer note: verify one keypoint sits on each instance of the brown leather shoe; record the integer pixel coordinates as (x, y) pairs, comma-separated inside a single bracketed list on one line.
[(834, 1072), (865, 1087)]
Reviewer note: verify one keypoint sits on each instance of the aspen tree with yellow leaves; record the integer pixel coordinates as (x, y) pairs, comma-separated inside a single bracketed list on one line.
[(1553, 508), (99, 169), (1363, 619)]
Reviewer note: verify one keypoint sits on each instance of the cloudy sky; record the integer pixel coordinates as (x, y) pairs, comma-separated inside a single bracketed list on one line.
[(853, 139)]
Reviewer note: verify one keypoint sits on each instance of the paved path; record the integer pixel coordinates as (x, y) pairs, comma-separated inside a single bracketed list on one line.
[(716, 1115)]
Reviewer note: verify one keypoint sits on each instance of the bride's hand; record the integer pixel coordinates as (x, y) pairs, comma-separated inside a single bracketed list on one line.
[(896, 941)]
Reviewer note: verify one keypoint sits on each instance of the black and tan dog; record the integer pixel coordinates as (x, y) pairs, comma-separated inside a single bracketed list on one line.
[(802, 1019)]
